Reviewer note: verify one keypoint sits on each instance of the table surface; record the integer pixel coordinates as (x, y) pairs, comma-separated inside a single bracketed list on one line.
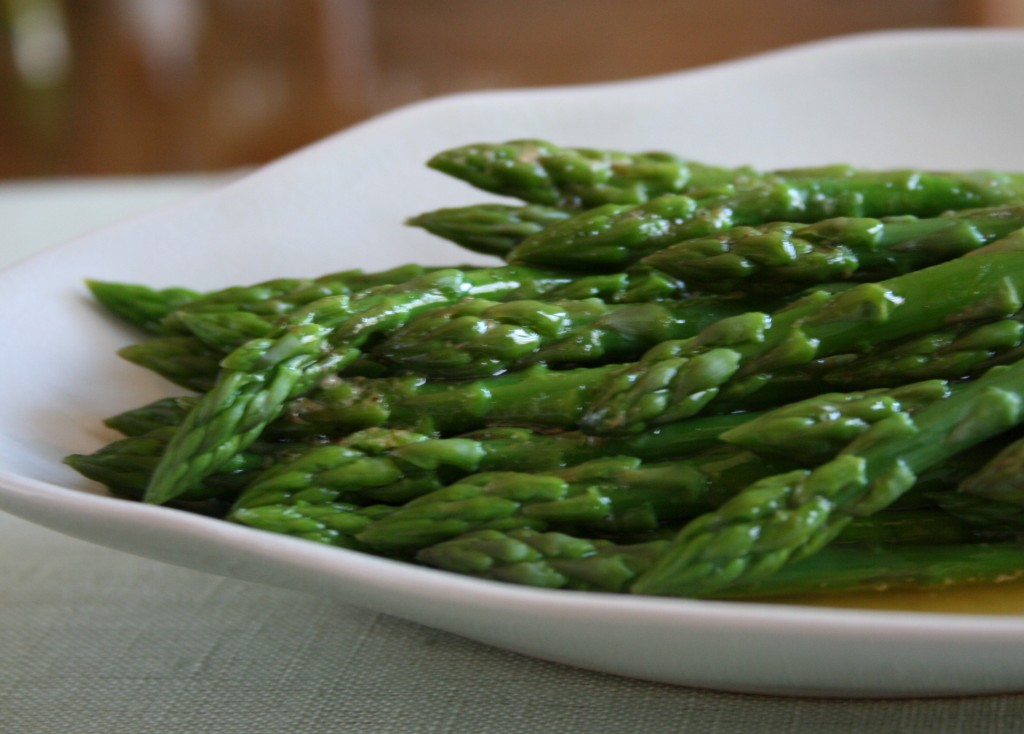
[(93, 640)]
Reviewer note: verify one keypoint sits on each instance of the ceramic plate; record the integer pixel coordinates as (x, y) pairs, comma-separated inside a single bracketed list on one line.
[(950, 99)]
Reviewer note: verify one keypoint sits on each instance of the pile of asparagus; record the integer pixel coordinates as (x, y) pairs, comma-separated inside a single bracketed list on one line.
[(682, 380)]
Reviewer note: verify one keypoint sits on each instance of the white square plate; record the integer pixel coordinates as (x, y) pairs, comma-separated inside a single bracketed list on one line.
[(944, 99)]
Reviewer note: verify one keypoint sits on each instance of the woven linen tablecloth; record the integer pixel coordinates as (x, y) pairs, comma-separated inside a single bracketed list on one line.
[(97, 641)]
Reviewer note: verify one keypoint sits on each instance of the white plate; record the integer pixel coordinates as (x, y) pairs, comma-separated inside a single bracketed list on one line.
[(938, 99)]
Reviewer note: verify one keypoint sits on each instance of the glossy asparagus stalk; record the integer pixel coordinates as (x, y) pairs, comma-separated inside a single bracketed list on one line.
[(157, 414), (540, 172), (816, 428), (535, 397), (226, 325), (961, 350), (141, 305), (158, 311), (545, 559), (614, 236), (276, 298), (126, 465), (476, 338), (785, 255), (183, 360), (490, 229)]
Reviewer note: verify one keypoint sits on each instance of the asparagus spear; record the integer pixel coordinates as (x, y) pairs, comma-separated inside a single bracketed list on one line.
[(817, 427), (183, 360), (195, 365), (333, 523), (227, 324), (737, 356), (958, 351), (126, 465), (477, 337), (614, 235), (545, 559), (536, 396), (790, 516), (140, 305), (783, 255), (157, 414), (491, 229), (275, 298), (901, 550), (542, 173), (157, 311)]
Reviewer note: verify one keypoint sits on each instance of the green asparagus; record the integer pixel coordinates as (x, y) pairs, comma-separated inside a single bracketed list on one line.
[(784, 255), (183, 360), (793, 515), (157, 414), (542, 173), (738, 355), (546, 559), (816, 428), (911, 550), (141, 305), (961, 350), (126, 465), (627, 494), (491, 229), (654, 412), (535, 396), (606, 496), (387, 465), (615, 235), (276, 298), (315, 342), (477, 338)]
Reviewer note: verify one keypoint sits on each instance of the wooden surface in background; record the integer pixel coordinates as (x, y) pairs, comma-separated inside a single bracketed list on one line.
[(243, 81)]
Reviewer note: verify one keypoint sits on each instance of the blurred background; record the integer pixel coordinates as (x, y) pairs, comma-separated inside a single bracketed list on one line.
[(140, 86)]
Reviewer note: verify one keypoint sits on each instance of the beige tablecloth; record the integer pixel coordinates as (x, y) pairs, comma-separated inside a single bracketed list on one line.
[(93, 640)]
